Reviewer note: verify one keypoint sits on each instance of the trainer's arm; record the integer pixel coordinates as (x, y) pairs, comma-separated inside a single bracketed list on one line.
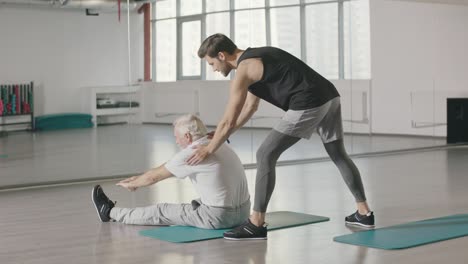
[(250, 107), (148, 178), (228, 124)]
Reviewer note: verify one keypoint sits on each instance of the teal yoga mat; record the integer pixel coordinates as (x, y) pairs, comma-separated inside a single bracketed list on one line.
[(411, 234), (184, 234)]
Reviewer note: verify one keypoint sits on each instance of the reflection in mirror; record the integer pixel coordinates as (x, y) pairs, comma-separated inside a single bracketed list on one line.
[(379, 112)]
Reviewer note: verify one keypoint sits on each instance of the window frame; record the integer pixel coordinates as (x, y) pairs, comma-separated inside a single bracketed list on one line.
[(202, 17), (179, 60)]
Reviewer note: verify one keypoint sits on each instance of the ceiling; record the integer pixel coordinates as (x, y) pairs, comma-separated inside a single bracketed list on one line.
[(107, 5)]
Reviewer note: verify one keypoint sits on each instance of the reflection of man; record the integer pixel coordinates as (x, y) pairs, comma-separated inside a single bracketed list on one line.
[(219, 180), (312, 104)]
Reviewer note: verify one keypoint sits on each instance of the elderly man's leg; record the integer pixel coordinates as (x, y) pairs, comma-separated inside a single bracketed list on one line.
[(161, 214)]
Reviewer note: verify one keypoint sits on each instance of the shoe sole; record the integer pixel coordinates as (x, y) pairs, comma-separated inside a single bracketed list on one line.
[(94, 202), (359, 224), (240, 239)]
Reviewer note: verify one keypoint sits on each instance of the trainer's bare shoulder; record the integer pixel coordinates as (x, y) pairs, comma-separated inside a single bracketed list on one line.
[(251, 69)]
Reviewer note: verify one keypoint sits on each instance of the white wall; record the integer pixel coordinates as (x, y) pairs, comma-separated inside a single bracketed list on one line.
[(420, 48), (65, 50)]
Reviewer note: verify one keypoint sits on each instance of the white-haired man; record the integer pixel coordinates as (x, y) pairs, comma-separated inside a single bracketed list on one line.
[(220, 181)]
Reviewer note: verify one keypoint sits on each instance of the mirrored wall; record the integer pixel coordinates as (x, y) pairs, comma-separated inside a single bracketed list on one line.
[(332, 37), (393, 92)]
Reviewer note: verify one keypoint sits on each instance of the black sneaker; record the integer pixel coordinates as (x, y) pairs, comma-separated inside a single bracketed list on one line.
[(102, 203), (361, 220), (246, 231)]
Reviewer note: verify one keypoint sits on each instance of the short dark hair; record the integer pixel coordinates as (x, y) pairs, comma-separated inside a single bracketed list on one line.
[(214, 44)]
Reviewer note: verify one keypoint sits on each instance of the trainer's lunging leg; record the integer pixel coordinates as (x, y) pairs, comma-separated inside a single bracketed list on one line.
[(349, 171), (267, 156), (352, 178)]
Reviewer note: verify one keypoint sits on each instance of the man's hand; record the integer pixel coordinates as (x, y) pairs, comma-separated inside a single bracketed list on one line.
[(128, 183), (199, 155)]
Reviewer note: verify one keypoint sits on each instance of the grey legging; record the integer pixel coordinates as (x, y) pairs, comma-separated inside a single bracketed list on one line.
[(275, 144)]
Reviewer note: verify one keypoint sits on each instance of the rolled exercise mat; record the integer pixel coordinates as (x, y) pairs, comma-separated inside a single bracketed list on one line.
[(63, 121)]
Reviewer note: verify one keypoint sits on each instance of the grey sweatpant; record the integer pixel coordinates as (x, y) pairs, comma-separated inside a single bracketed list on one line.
[(275, 144), (195, 214), (296, 124)]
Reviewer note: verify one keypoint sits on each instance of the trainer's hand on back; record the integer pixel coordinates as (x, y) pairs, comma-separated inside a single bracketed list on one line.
[(199, 155)]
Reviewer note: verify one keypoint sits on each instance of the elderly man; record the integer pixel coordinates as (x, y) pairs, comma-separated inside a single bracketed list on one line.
[(219, 180)]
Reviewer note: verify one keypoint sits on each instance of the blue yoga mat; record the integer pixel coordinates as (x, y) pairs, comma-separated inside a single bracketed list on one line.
[(184, 234), (411, 234)]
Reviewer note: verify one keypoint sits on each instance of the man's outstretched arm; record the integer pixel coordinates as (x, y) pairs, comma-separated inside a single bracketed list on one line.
[(148, 178)]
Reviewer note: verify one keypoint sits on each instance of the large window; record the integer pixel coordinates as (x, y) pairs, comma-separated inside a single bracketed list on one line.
[(242, 4), (165, 9), (285, 26), (322, 39), (331, 36), (166, 50), (217, 5), (217, 23), (190, 7), (356, 40), (250, 28), (190, 41), (283, 2)]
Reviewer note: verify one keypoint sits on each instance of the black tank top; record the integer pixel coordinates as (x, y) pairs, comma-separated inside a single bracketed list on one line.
[(287, 82)]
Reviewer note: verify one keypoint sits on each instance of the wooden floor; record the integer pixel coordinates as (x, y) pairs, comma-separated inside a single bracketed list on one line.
[(59, 224)]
